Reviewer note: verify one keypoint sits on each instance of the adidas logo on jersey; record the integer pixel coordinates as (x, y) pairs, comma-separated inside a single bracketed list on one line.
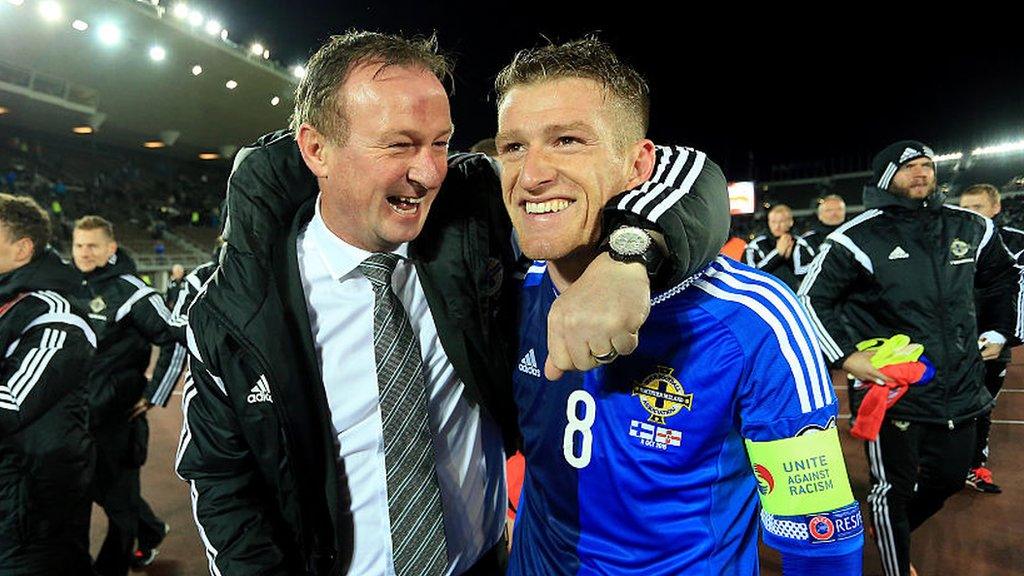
[(260, 392), (898, 253), (528, 365)]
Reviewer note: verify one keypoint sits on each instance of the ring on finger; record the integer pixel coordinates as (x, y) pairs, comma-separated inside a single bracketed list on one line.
[(605, 358)]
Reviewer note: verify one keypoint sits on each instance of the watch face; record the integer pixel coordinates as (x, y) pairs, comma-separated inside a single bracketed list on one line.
[(629, 241)]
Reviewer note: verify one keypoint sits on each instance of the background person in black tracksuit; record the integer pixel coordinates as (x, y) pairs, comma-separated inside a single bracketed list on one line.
[(984, 199), (128, 316), (174, 284), (911, 265), (829, 215), (46, 453), (158, 392), (780, 252)]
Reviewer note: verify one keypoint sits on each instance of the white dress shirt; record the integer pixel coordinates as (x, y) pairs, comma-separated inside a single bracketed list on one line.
[(467, 443)]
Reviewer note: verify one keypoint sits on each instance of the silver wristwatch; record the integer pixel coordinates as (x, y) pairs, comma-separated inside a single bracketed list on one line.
[(634, 244)]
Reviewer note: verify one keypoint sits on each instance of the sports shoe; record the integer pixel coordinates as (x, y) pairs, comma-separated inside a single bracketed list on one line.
[(143, 557), (980, 479)]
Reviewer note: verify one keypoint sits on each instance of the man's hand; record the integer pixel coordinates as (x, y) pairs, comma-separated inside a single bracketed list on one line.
[(859, 365), (784, 245), (990, 350), (600, 313), (140, 408)]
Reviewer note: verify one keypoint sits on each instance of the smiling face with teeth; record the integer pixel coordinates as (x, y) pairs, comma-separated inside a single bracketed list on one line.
[(562, 158), (378, 184)]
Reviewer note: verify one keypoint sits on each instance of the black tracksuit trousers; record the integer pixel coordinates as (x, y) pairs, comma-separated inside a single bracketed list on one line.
[(931, 457)]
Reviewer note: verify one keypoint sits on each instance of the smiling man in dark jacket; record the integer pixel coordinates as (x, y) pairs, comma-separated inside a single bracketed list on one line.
[(910, 265), (129, 316), (46, 453), (287, 443)]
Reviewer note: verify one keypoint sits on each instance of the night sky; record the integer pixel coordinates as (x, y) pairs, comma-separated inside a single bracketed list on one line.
[(754, 89)]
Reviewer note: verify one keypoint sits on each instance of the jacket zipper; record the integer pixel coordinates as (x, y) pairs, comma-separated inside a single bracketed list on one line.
[(942, 313)]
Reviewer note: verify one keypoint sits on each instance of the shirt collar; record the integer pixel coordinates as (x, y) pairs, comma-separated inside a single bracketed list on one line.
[(341, 258)]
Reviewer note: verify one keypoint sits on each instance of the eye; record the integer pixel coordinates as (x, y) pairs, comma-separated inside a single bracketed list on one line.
[(567, 141), (511, 148), (400, 145)]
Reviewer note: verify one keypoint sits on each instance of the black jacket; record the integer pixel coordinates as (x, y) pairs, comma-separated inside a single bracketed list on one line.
[(263, 476), (817, 234), (46, 453), (128, 316), (912, 267), (761, 254), (1014, 240), (158, 391)]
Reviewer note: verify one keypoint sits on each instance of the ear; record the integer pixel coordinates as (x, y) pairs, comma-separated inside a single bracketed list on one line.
[(643, 163), (998, 209), (113, 246), (24, 249), (312, 145)]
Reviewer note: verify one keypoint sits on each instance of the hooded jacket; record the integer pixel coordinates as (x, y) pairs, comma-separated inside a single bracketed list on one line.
[(267, 494), (46, 455), (128, 316), (912, 267)]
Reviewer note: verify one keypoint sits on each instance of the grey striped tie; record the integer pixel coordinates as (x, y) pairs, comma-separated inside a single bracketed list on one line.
[(414, 499)]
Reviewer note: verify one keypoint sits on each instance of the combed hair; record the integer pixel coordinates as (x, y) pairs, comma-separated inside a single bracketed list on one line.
[(317, 100), (989, 190), (24, 218), (830, 198), (93, 222), (587, 58)]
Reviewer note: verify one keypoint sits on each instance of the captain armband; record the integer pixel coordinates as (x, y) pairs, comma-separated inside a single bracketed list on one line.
[(805, 492), (801, 475)]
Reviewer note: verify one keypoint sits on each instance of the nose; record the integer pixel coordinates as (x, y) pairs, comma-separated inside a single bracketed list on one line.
[(428, 168), (536, 171)]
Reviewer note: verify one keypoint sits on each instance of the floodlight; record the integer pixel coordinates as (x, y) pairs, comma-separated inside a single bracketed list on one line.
[(109, 34), (50, 11)]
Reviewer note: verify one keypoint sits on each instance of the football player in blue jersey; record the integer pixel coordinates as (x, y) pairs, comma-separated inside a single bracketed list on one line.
[(660, 462)]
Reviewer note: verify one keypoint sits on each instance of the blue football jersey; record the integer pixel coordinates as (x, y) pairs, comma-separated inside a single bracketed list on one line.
[(642, 466)]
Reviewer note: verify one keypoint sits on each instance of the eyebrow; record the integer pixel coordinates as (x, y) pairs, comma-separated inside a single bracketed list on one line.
[(548, 130), (412, 134)]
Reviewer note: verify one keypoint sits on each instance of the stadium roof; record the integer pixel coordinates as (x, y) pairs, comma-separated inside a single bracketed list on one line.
[(126, 69)]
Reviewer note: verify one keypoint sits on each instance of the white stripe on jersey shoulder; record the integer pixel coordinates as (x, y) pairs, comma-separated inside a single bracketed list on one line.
[(861, 256), (857, 220), (193, 280), (800, 329), (69, 319), (134, 281), (139, 294), (989, 226), (839, 236), (766, 300), (1013, 230), (57, 303), (193, 346)]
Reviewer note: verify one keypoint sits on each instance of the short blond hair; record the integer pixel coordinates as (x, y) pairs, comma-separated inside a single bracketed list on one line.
[(93, 222)]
